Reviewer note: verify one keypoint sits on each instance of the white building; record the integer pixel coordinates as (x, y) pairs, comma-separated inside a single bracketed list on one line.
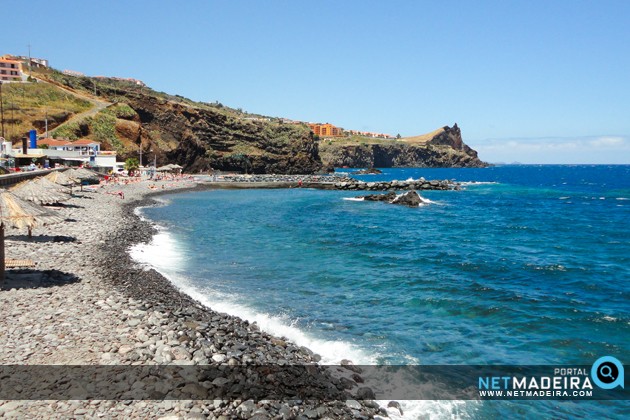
[(81, 151)]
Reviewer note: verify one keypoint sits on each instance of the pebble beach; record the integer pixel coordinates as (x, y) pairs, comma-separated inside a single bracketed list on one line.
[(87, 303)]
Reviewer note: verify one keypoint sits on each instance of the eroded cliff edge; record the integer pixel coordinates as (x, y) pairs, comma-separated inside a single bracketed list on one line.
[(441, 148)]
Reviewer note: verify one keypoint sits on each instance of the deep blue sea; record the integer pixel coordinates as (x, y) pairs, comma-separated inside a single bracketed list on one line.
[(527, 265)]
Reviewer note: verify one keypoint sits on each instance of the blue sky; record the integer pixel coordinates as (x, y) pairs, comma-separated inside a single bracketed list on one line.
[(528, 81)]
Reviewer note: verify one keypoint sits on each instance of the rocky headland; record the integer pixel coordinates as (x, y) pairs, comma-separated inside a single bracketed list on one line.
[(442, 148)]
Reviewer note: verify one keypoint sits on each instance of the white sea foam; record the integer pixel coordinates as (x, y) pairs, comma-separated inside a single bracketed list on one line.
[(166, 255), (353, 199), (468, 183), (427, 201), (622, 198)]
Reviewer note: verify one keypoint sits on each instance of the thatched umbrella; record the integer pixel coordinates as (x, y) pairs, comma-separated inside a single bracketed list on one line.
[(18, 213), (40, 191), (49, 185), (81, 173), (61, 178)]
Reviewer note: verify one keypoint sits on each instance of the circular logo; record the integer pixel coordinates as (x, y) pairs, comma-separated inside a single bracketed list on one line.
[(607, 372)]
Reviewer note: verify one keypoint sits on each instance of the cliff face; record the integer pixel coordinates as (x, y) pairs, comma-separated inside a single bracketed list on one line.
[(445, 148), (198, 136), (200, 139)]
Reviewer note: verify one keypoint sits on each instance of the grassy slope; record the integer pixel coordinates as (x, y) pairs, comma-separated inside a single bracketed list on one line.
[(356, 140), (423, 138), (27, 104)]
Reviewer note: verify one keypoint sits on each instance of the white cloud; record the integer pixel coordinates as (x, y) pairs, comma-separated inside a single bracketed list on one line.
[(593, 149), (607, 141)]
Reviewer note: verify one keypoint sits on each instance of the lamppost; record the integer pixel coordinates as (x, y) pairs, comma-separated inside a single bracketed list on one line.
[(1, 109), (154, 171)]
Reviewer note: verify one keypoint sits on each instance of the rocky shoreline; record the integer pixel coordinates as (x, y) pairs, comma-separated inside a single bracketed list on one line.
[(88, 303)]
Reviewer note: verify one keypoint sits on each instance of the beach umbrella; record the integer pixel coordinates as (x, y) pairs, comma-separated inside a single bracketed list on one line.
[(61, 178), (81, 173), (20, 214), (39, 192), (49, 185)]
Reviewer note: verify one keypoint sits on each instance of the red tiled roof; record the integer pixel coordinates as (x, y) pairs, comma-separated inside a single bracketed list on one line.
[(55, 143), (51, 142), (83, 142)]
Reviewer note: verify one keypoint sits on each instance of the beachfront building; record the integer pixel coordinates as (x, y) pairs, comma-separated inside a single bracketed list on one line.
[(10, 70), (84, 147), (79, 152), (326, 130)]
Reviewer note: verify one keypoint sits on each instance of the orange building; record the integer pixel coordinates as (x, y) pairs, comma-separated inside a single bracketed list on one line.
[(326, 130), (10, 70)]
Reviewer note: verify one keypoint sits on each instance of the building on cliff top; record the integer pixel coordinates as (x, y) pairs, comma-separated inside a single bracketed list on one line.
[(326, 130), (10, 70), (370, 134)]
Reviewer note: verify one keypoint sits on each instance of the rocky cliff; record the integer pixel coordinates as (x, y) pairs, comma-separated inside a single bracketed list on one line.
[(198, 136), (201, 139), (442, 148), (203, 136)]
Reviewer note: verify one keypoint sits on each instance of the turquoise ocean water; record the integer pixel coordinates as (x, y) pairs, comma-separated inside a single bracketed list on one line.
[(529, 265)]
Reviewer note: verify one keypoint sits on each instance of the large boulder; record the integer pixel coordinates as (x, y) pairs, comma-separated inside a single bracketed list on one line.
[(369, 171), (379, 197), (411, 199)]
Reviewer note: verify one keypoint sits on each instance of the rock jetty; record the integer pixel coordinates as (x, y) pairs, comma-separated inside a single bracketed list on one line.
[(420, 184)]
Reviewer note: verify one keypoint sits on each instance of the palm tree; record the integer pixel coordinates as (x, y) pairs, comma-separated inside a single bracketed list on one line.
[(131, 165)]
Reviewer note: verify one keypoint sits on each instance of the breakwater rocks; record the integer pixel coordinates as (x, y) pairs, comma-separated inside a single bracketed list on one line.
[(275, 178), (419, 184)]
